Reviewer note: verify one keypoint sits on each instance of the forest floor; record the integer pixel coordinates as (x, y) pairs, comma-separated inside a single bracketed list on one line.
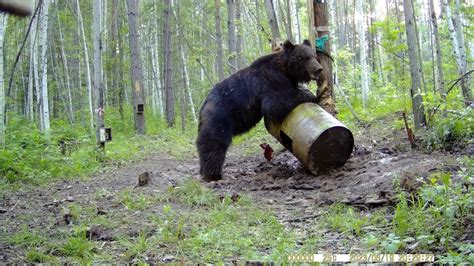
[(108, 218)]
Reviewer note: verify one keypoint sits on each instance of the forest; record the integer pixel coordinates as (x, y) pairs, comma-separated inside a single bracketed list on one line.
[(100, 104)]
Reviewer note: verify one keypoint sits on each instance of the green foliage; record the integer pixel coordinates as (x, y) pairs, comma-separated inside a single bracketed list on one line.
[(450, 133), (34, 158)]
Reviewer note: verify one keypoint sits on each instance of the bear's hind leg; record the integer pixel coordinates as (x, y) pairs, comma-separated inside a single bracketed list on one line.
[(212, 144)]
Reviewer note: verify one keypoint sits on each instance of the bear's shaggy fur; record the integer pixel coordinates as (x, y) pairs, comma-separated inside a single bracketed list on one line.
[(267, 88)]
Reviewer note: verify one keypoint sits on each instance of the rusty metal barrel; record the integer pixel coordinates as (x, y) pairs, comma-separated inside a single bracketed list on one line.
[(315, 137)]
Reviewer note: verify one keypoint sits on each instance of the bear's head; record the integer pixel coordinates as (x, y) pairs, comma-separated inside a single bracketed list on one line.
[(301, 61)]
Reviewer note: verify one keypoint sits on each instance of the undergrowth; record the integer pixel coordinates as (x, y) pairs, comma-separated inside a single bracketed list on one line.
[(69, 151), (437, 219)]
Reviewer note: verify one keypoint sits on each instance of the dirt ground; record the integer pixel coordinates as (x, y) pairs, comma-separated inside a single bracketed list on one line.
[(283, 185)]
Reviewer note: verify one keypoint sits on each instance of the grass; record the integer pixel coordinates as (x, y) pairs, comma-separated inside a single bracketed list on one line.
[(30, 157), (194, 224)]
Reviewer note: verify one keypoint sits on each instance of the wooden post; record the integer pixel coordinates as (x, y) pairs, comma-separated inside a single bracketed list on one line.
[(325, 82)]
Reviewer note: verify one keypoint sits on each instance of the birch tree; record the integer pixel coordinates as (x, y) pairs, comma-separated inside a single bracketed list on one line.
[(3, 24), (439, 82), (363, 55), (457, 37), (220, 54), (66, 72), (415, 67), (44, 100), (86, 61)]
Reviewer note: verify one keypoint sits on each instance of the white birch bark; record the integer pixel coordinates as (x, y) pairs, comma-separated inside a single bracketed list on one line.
[(44, 67), (3, 24), (363, 55)]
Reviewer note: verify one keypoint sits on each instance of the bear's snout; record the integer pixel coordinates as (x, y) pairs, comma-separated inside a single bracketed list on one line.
[(315, 70)]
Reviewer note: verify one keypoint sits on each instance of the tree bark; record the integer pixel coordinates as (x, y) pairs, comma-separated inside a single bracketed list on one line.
[(169, 91), (136, 68), (220, 54), (44, 67), (3, 25), (66, 73), (439, 59), (325, 82), (415, 67), (98, 82), (231, 36), (86, 59), (457, 38), (239, 29), (363, 55), (272, 20)]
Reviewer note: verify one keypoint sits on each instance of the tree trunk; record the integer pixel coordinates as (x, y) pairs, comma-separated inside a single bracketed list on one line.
[(272, 20), (457, 37), (3, 25), (157, 78), (415, 67), (239, 43), (136, 68), (363, 54), (86, 59), (169, 91), (439, 59), (220, 54), (231, 36), (295, 13), (289, 23), (44, 67), (98, 83), (29, 95), (66, 73), (325, 82)]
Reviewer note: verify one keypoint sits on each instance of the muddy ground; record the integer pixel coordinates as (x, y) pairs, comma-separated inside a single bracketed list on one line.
[(283, 185)]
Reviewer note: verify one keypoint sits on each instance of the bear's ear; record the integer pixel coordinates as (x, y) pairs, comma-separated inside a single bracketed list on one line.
[(288, 46), (307, 42)]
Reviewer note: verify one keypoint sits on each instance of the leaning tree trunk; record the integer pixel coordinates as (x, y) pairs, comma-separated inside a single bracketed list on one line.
[(66, 73), (272, 20), (415, 67), (439, 58), (44, 67), (3, 24), (86, 59), (136, 68), (169, 92), (98, 83)]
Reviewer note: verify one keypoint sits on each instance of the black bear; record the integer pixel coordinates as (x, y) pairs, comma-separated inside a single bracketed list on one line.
[(267, 88)]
